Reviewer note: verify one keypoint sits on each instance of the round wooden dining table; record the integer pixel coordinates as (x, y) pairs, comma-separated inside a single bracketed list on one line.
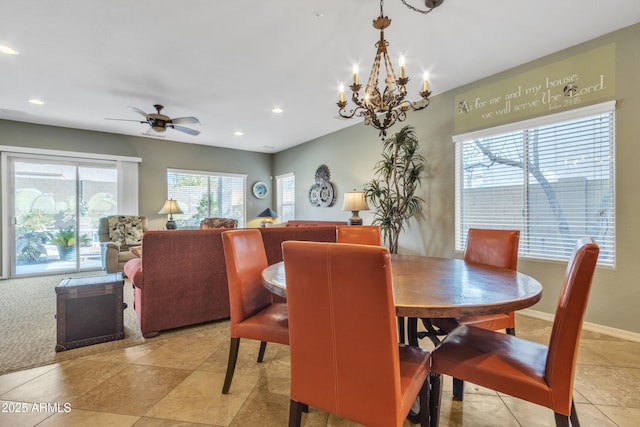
[(430, 287)]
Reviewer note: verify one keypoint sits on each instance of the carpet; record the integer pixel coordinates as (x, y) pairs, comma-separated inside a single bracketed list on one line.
[(28, 324)]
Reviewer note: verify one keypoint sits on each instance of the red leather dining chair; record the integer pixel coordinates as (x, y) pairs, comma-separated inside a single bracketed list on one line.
[(525, 369), (498, 248), (364, 375), (253, 314), (365, 235), (358, 234)]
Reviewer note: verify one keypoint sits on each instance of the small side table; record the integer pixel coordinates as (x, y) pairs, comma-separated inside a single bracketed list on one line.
[(89, 310)]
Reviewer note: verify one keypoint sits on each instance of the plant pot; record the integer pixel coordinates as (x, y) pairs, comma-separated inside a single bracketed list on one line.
[(66, 253)]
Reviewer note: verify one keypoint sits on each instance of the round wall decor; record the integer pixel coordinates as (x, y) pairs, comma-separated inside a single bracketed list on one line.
[(321, 193), (260, 190)]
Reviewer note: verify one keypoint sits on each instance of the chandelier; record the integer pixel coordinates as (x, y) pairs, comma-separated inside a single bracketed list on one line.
[(382, 108)]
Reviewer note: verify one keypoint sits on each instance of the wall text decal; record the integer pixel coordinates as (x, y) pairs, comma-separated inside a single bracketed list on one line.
[(574, 82)]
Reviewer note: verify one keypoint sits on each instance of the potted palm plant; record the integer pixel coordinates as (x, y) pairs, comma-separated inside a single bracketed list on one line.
[(393, 192), (65, 241)]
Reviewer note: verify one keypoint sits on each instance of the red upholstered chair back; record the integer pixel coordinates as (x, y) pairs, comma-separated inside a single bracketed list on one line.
[(359, 234), (498, 248), (245, 259), (567, 325), (347, 371)]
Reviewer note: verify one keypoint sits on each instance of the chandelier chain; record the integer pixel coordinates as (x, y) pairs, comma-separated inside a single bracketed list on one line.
[(415, 9)]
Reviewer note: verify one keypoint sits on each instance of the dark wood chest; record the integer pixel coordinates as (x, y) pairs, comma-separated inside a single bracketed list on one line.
[(89, 310)]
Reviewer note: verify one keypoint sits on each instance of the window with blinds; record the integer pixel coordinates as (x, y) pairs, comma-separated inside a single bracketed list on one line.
[(206, 195), (552, 178), (286, 202)]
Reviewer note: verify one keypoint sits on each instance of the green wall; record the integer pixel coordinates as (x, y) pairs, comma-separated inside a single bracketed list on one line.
[(157, 155), (352, 153)]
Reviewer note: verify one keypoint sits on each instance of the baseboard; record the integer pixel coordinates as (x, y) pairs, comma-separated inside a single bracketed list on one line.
[(591, 327)]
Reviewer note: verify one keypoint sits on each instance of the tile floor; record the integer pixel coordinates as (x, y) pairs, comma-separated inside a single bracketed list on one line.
[(175, 380)]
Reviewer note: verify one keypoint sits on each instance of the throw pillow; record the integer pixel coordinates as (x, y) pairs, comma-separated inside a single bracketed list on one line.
[(125, 230)]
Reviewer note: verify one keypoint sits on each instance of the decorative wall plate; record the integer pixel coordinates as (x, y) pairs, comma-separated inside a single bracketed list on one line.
[(260, 190), (321, 193), (323, 174)]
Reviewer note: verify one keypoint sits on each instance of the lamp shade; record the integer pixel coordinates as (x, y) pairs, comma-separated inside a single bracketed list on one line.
[(170, 207), (355, 201), (268, 213)]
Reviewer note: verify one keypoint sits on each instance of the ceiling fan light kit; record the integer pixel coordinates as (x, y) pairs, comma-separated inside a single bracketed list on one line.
[(159, 122)]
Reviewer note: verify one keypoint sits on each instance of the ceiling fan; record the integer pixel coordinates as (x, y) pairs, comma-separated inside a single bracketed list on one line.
[(159, 122)]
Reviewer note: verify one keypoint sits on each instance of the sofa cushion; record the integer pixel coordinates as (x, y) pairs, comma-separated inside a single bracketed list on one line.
[(133, 270), (136, 250), (125, 230)]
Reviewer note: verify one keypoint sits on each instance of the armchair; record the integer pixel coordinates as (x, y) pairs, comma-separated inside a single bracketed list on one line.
[(117, 239), (218, 223)]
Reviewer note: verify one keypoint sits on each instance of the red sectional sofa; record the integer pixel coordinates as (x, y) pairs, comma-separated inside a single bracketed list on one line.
[(181, 279)]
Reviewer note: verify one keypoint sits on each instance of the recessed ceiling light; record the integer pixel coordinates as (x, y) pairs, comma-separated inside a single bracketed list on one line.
[(8, 50), (277, 110), (238, 133), (36, 102)]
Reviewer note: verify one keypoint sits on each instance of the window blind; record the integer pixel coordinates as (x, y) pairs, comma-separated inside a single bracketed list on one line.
[(555, 182), (286, 202), (206, 195)]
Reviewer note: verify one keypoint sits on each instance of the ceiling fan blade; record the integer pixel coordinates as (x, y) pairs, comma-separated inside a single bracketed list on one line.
[(126, 120), (186, 130), (185, 120), (139, 111)]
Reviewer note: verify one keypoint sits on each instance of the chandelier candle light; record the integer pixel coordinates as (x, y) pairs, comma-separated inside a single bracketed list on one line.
[(390, 104)]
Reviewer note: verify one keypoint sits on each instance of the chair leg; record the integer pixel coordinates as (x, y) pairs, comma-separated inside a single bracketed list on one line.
[(561, 420), (295, 413), (511, 331), (425, 402), (458, 389), (574, 415), (263, 347), (401, 337), (435, 399), (231, 364)]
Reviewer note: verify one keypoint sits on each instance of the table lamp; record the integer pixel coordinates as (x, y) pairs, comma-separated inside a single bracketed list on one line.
[(355, 201), (268, 216), (169, 208)]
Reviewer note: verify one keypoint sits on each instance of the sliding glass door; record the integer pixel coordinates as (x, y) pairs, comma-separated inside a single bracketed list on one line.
[(56, 204)]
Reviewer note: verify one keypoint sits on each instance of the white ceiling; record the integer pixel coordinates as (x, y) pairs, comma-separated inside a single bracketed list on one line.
[(229, 62)]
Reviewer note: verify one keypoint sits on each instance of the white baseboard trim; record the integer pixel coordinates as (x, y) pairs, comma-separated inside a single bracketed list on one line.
[(592, 327)]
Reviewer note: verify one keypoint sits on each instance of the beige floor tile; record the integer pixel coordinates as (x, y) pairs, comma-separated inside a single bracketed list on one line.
[(65, 383), (21, 414), (157, 422), (127, 355), (476, 410), (608, 385), (198, 399), (267, 405), (80, 418), (623, 417), (626, 354), (179, 353), (133, 391), (587, 356), (247, 363), (531, 415), (15, 379)]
